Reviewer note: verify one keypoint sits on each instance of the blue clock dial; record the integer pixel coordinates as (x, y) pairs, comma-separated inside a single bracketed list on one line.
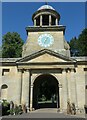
[(45, 40)]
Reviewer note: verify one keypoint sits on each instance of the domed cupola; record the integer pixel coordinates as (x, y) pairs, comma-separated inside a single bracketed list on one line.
[(46, 15)]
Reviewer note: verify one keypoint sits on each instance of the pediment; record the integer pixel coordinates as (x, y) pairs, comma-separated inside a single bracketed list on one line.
[(45, 56)]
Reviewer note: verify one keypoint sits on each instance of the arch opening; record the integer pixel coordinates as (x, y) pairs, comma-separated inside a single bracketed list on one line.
[(46, 92)]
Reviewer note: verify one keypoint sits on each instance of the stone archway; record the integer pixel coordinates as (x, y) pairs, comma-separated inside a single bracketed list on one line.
[(46, 92)]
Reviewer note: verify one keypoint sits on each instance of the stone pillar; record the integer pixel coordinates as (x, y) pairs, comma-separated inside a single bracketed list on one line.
[(73, 87), (57, 95), (56, 21), (34, 22), (76, 91), (0, 92), (85, 87), (0, 108), (25, 88), (1, 78), (60, 96), (49, 20), (20, 72), (40, 20), (31, 97), (64, 77), (69, 84)]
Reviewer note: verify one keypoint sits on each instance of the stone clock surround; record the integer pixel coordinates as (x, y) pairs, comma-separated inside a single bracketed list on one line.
[(31, 45), (45, 40)]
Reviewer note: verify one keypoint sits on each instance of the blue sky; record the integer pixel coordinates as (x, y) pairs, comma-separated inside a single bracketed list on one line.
[(18, 15)]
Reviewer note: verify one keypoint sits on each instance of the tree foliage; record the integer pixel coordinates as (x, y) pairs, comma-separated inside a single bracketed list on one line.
[(82, 43), (78, 46), (12, 45), (73, 47)]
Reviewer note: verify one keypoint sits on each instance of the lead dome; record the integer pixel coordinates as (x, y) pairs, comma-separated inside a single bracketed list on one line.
[(46, 7)]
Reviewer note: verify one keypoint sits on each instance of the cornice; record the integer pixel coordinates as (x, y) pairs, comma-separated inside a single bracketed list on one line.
[(45, 28)]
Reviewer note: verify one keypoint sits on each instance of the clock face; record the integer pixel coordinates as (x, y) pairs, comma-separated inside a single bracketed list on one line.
[(45, 40)]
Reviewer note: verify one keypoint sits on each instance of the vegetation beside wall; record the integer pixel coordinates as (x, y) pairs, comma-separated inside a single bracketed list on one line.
[(12, 45), (78, 46)]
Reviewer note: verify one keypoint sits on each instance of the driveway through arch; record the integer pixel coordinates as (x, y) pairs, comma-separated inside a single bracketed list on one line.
[(46, 92)]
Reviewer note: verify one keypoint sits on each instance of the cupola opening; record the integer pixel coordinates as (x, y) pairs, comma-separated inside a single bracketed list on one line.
[(38, 21), (45, 20), (53, 20)]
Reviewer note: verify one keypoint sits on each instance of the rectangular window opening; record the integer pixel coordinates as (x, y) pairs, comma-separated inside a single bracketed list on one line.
[(5, 71)]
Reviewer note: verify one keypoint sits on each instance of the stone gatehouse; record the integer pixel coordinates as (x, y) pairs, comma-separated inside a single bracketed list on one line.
[(45, 57)]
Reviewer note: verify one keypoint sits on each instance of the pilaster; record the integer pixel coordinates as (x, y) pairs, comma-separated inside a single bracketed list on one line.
[(20, 72), (1, 78), (69, 84), (60, 96), (73, 87), (85, 86), (65, 92), (31, 97), (25, 88)]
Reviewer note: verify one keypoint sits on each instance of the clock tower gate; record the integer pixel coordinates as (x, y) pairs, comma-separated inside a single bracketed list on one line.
[(45, 61)]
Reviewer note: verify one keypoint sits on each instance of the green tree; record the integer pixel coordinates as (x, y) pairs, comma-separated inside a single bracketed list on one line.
[(78, 46), (82, 43), (73, 47), (12, 45)]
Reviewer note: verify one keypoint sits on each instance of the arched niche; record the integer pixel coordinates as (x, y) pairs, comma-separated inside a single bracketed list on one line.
[(4, 89)]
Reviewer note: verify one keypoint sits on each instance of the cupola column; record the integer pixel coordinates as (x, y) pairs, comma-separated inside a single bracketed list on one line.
[(34, 22), (56, 21), (40, 20), (49, 20)]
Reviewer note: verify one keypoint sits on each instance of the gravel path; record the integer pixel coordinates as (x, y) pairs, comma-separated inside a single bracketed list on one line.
[(44, 113)]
